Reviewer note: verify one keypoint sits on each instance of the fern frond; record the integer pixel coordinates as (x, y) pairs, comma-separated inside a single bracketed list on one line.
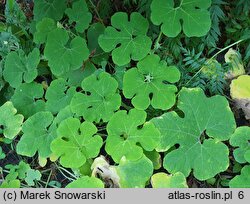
[(217, 15)]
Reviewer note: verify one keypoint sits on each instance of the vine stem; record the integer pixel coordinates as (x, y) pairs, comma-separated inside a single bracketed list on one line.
[(97, 13), (47, 182), (222, 50), (157, 42), (61, 169), (67, 172), (126, 106), (225, 48)]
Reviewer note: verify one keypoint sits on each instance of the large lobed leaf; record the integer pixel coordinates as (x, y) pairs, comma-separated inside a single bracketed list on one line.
[(99, 99), (37, 135), (28, 100), (58, 95), (76, 142), (126, 38), (163, 180), (49, 8), (134, 174), (152, 76), (240, 140), (190, 16), (126, 138), (206, 122), (43, 28), (242, 180), (19, 68), (63, 54), (10, 122), (80, 15)]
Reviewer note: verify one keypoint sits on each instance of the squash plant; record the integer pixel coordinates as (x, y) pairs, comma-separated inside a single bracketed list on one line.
[(118, 96)]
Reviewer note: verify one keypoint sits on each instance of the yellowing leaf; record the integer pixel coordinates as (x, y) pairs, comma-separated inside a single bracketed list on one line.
[(240, 87), (234, 59), (162, 180), (240, 92)]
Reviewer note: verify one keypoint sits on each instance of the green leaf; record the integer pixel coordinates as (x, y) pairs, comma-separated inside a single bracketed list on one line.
[(8, 43), (240, 139), (32, 175), (19, 68), (64, 54), (43, 28), (58, 95), (85, 170), (97, 54), (80, 15), (75, 77), (155, 157), (86, 182), (22, 169), (162, 180), (129, 36), (62, 115), (127, 138), (119, 74), (2, 154), (36, 135), (10, 122), (49, 8), (75, 142), (206, 122), (14, 14), (148, 78), (11, 184), (17, 171), (28, 100), (194, 15), (99, 99), (243, 180), (134, 174)]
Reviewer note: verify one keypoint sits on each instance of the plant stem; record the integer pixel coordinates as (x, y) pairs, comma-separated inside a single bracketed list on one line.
[(24, 185), (48, 184), (48, 179), (65, 175), (222, 50), (97, 13), (61, 168), (239, 41), (126, 106), (157, 42)]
